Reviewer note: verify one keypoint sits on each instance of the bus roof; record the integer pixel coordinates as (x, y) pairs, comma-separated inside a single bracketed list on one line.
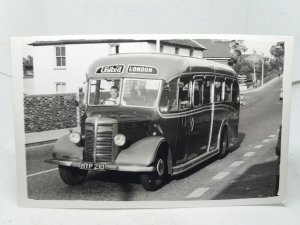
[(154, 66)]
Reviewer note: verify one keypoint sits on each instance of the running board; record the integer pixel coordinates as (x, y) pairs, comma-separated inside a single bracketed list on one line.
[(194, 162)]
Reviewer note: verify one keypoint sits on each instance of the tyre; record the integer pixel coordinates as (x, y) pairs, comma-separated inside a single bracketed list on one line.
[(223, 144), (72, 175), (155, 180)]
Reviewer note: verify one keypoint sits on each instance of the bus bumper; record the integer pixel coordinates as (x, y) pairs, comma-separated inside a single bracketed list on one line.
[(108, 166)]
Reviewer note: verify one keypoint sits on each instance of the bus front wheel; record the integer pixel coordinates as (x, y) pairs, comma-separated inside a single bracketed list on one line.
[(155, 180), (72, 175)]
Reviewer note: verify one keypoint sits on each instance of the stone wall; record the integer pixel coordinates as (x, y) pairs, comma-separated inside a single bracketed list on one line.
[(49, 112)]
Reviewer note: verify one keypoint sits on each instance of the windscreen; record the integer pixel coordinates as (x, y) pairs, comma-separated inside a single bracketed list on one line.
[(140, 92), (104, 92)]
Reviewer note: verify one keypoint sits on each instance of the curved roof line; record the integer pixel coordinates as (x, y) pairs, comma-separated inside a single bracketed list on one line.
[(168, 65)]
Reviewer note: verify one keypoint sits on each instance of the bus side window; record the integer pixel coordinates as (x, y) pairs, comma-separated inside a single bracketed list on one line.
[(207, 91), (184, 93), (198, 92), (227, 90), (169, 102), (218, 90), (235, 92)]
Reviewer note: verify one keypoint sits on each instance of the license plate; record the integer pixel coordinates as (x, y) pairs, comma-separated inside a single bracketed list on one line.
[(92, 166)]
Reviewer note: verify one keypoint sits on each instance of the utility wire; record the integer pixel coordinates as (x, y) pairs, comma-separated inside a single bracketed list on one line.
[(5, 74)]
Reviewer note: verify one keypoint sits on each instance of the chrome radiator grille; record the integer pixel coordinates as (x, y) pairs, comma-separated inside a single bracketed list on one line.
[(104, 143), (88, 153), (98, 147)]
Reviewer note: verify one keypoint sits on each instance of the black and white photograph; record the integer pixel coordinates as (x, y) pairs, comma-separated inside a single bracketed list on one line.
[(151, 119)]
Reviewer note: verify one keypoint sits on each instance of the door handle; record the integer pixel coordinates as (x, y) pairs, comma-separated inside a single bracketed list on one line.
[(192, 123)]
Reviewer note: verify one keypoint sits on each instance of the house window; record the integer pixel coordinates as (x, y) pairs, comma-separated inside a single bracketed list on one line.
[(60, 56), (60, 87), (176, 50), (191, 52), (114, 49)]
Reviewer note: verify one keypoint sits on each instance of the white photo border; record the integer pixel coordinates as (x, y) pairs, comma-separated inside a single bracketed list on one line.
[(23, 200)]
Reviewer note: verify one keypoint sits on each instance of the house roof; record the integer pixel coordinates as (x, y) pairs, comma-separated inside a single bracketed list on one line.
[(215, 48), (183, 43), (83, 41)]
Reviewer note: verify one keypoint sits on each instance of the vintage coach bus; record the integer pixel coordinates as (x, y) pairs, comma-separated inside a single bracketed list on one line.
[(154, 114)]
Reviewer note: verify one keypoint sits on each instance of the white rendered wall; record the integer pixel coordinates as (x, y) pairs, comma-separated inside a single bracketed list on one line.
[(184, 52), (78, 59), (28, 85), (151, 47), (133, 47), (198, 54), (168, 49)]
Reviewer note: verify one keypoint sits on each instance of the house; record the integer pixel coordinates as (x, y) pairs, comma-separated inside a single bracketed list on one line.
[(217, 50), (60, 66)]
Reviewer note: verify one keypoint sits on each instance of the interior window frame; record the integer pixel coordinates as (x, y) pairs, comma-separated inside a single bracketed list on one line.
[(193, 92)]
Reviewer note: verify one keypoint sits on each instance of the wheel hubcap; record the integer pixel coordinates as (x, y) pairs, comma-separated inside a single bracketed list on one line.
[(160, 167)]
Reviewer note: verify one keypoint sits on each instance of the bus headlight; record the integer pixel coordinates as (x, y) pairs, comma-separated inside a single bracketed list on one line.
[(75, 137), (120, 139)]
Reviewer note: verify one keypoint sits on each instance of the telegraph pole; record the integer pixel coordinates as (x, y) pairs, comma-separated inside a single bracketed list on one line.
[(262, 72)]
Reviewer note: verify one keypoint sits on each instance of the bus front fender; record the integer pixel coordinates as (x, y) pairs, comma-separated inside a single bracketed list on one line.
[(141, 153), (64, 149)]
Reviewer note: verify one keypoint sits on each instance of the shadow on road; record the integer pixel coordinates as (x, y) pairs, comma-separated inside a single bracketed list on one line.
[(125, 181), (241, 137), (259, 181)]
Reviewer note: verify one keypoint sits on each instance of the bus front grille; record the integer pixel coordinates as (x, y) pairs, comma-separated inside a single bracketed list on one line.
[(104, 143), (88, 153)]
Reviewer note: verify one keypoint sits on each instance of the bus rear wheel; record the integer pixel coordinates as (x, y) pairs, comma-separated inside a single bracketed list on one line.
[(223, 147), (72, 175), (155, 180)]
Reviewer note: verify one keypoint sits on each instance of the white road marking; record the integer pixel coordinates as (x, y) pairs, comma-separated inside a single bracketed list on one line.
[(220, 175), (45, 171), (258, 146), (272, 136), (249, 154), (266, 140), (237, 163), (197, 193)]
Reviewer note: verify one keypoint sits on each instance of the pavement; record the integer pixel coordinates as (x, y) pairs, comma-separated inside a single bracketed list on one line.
[(266, 83), (37, 138)]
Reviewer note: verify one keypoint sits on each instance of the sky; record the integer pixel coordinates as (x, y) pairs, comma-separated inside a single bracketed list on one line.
[(261, 46)]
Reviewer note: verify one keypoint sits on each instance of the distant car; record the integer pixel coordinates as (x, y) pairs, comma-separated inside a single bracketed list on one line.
[(281, 94)]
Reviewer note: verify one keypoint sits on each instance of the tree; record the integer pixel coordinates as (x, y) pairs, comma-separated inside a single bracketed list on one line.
[(277, 51), (28, 65), (238, 48)]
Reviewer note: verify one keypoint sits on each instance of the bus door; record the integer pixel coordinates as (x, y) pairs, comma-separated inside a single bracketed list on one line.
[(174, 104), (184, 120), (201, 116), (220, 111)]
